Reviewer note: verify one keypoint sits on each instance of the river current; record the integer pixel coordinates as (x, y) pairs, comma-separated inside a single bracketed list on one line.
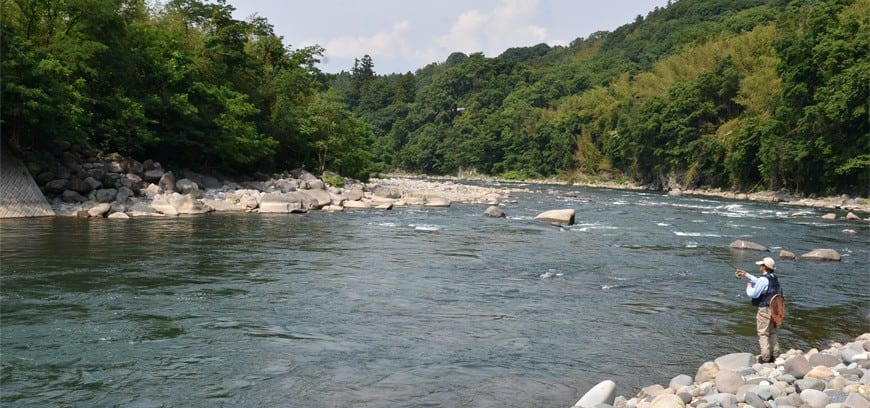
[(409, 307)]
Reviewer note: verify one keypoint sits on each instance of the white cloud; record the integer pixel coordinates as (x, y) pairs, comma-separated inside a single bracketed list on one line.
[(382, 44), (491, 32)]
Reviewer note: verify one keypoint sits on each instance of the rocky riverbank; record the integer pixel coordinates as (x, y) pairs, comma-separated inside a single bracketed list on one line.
[(92, 184), (836, 377)]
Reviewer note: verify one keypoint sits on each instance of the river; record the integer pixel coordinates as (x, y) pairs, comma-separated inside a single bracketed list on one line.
[(409, 307)]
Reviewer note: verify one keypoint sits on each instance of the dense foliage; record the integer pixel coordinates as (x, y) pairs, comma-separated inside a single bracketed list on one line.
[(737, 94), (184, 83)]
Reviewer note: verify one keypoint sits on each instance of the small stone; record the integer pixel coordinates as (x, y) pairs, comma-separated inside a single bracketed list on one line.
[(815, 398)]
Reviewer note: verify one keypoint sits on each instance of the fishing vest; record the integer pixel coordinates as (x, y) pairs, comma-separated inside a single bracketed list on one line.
[(773, 288)]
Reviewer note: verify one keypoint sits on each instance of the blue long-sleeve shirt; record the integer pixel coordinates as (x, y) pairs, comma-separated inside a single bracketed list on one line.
[(756, 286)]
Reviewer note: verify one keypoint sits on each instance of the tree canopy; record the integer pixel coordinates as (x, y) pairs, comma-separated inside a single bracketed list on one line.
[(734, 94)]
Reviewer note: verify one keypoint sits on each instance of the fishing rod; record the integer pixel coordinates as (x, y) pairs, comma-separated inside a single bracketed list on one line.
[(728, 262)]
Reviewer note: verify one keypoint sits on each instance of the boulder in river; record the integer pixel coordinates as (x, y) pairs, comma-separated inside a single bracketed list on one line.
[(557, 217), (741, 244), (494, 212), (822, 255)]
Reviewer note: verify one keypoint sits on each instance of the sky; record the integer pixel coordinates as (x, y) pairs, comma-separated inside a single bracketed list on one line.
[(404, 35)]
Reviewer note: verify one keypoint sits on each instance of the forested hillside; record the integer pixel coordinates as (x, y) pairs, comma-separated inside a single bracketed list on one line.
[(736, 94)]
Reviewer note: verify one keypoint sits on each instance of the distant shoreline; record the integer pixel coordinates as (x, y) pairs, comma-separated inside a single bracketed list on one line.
[(842, 203)]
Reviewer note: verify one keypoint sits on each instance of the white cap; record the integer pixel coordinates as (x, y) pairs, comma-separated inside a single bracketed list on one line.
[(768, 262)]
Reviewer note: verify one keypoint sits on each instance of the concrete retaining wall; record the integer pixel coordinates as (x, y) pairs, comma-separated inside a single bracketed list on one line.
[(19, 194)]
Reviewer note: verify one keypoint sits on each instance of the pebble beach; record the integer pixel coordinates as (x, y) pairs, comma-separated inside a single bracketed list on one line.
[(835, 377)]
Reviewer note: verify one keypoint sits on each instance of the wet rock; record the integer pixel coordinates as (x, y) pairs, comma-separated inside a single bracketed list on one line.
[(783, 254), (822, 255), (748, 245), (494, 212), (557, 217)]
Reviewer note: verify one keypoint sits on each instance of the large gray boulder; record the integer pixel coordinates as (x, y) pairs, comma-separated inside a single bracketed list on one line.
[(162, 204), (187, 186), (748, 245), (187, 204), (822, 255), (494, 212), (557, 217), (734, 361), (313, 199), (284, 202)]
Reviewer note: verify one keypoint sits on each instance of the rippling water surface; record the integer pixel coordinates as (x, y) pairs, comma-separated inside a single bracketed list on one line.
[(409, 307)]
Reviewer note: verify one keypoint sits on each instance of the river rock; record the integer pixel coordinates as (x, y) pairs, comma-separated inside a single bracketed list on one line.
[(162, 205), (815, 398), (167, 182), (152, 176), (829, 216), (106, 195), (124, 194), (187, 186), (706, 372), (93, 183), (151, 191), (313, 199), (809, 384), (822, 255), (852, 217), (142, 208), (281, 202), (187, 204), (71, 196), (667, 401), (734, 362), (820, 372), (557, 217), (855, 400), (355, 193), (437, 201), (387, 192), (223, 205), (118, 216), (99, 210), (797, 366), (824, 359), (728, 381), (286, 185), (602, 393), (354, 204), (57, 185), (494, 212), (76, 184), (748, 245)]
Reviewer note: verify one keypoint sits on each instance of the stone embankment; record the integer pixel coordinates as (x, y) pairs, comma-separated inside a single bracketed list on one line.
[(836, 377)]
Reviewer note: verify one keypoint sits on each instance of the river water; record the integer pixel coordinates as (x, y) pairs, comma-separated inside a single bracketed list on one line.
[(406, 308)]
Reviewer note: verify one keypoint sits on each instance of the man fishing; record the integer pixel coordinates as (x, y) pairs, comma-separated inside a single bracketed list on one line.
[(766, 295)]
